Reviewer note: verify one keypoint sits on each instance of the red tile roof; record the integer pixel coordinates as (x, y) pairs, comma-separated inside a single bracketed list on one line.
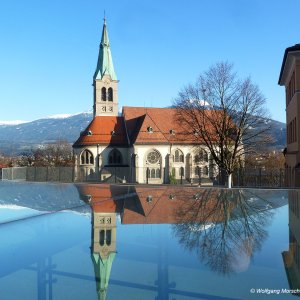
[(101, 132), (133, 128), (183, 208), (132, 203), (166, 128), (103, 197)]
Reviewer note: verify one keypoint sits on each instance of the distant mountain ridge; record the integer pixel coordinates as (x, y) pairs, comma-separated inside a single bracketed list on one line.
[(22, 137), (15, 139)]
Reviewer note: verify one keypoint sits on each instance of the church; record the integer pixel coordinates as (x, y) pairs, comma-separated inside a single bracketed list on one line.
[(138, 145)]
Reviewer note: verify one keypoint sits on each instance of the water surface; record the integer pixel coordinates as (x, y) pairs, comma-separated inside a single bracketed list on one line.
[(91, 241)]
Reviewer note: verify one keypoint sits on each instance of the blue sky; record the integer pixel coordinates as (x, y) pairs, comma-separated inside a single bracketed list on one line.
[(49, 49)]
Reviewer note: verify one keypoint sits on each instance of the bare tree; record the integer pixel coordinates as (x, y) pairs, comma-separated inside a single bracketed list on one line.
[(267, 160), (224, 227), (55, 154), (225, 114)]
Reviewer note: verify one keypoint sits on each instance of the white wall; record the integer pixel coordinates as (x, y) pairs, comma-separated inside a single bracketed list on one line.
[(167, 164)]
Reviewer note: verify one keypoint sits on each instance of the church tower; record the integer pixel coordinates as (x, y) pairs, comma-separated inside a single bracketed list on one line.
[(105, 81)]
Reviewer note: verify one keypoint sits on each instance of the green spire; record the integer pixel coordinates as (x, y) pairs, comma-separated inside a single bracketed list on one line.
[(105, 64), (102, 269)]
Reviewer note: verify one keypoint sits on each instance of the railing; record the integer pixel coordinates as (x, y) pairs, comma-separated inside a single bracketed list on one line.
[(124, 174), (260, 177), (43, 174), (16, 173)]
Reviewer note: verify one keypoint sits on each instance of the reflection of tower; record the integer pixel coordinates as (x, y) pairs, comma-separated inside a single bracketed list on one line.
[(291, 258), (107, 201), (105, 207), (103, 248)]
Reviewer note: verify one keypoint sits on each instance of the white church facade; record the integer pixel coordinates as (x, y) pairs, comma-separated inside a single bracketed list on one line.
[(142, 145)]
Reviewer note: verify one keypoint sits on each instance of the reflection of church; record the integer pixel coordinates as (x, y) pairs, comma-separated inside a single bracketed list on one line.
[(135, 205), (167, 204), (103, 248), (144, 205), (202, 220), (291, 257), (142, 144)]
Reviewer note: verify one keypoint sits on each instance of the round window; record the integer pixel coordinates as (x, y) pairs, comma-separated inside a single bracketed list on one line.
[(153, 157)]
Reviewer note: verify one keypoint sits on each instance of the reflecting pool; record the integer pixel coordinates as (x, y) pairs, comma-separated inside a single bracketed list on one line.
[(92, 241)]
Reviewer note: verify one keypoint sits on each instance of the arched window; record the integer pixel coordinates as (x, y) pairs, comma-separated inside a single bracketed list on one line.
[(157, 173), (179, 156), (108, 237), (101, 237), (103, 94), (87, 158), (115, 157), (152, 173), (202, 156), (205, 156), (153, 162), (110, 94), (181, 171), (105, 237), (198, 171)]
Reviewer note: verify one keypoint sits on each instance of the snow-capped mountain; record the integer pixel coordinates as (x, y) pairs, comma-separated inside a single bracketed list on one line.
[(20, 136), (15, 122)]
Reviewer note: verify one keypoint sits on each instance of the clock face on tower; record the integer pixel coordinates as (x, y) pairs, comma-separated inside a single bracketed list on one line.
[(110, 109)]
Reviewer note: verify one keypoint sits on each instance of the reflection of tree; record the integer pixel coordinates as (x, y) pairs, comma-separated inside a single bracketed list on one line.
[(224, 227)]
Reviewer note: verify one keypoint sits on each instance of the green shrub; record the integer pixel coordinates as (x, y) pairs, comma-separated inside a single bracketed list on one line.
[(172, 178)]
